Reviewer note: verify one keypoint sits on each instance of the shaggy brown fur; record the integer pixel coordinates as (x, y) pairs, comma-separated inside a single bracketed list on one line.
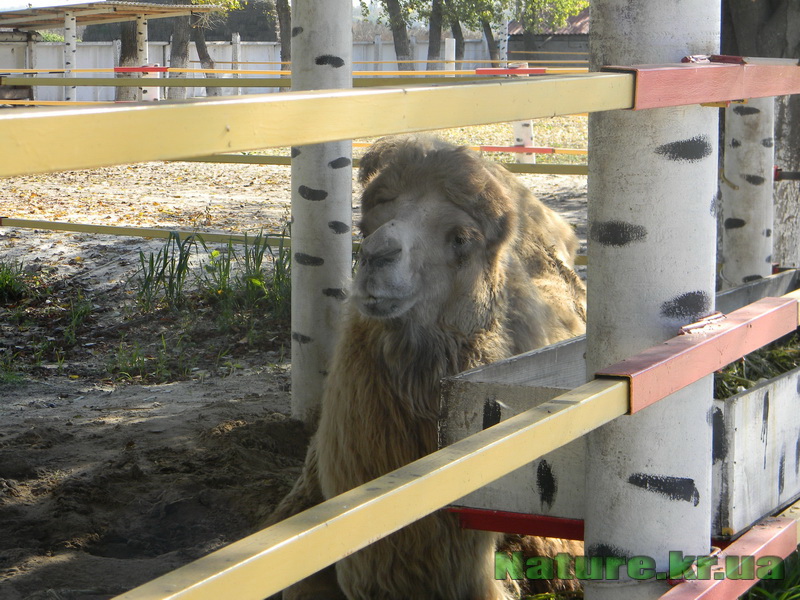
[(460, 266)]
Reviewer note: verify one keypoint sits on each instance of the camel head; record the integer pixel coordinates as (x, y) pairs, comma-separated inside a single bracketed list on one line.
[(435, 222)]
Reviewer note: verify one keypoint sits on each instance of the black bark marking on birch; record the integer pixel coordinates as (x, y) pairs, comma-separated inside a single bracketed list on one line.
[(674, 488), (754, 179), (338, 227), (606, 550), (768, 142), (743, 110), (735, 143), (616, 233), (768, 233), (690, 306), (296, 31), (797, 444), (768, 259), (340, 163), (295, 152), (337, 293), (750, 278), (329, 60), (765, 425), (719, 446), (691, 150), (734, 223), (714, 205), (300, 338), (525, 124), (491, 413), (781, 471), (546, 483), (308, 260), (312, 194)]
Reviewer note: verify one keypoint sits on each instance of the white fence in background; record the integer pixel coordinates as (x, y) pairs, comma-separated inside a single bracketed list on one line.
[(97, 55)]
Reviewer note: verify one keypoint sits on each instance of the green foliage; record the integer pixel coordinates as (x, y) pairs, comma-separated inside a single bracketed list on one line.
[(51, 36), (765, 363), (8, 374), (162, 276), (542, 15), (237, 281), (785, 589), (165, 362), (14, 284)]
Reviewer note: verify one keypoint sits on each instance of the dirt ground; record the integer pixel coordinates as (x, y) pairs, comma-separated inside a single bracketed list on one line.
[(106, 483)]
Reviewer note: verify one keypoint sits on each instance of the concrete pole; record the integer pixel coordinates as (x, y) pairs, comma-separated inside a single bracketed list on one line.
[(747, 209), (652, 190), (70, 53), (142, 50), (321, 203)]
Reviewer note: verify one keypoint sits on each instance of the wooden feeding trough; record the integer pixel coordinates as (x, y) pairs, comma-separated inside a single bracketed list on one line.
[(756, 450)]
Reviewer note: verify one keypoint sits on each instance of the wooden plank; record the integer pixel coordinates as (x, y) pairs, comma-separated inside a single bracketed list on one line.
[(533, 376), (84, 137), (756, 453), (278, 556)]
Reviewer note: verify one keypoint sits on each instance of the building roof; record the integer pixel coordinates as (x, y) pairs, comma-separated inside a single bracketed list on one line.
[(576, 25), (38, 16)]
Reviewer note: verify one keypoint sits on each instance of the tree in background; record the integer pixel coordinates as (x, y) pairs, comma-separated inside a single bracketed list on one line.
[(284, 12), (769, 28), (399, 13)]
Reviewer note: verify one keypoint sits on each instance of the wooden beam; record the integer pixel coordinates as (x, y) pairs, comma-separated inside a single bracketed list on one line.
[(274, 558), (90, 137)]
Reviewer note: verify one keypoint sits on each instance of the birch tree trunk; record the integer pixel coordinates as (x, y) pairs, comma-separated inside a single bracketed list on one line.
[(652, 224), (321, 204), (771, 29), (746, 191)]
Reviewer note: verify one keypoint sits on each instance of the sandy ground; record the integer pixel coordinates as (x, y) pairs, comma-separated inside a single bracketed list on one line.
[(105, 484)]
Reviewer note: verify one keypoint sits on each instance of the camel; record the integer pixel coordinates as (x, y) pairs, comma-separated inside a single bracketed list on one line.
[(459, 266)]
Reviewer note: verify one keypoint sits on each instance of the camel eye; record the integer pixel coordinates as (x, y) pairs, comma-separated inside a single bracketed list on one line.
[(461, 241)]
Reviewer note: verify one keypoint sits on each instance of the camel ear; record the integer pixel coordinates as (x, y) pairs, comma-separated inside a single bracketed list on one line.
[(377, 157)]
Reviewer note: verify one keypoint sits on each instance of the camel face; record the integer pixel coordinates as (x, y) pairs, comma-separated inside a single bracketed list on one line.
[(419, 248)]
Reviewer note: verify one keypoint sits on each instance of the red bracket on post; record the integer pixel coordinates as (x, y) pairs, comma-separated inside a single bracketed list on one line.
[(703, 348), (703, 79)]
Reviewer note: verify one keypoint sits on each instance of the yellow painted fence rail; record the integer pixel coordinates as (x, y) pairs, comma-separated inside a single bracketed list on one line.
[(45, 140), (274, 558)]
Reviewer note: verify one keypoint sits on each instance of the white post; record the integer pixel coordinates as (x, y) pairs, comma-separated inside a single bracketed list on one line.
[(142, 51), (652, 190), (321, 203), (378, 54), (523, 136), (450, 55), (747, 209), (236, 53), (70, 53)]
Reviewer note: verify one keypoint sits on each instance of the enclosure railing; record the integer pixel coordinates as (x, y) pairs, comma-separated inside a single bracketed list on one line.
[(276, 557), (288, 551)]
